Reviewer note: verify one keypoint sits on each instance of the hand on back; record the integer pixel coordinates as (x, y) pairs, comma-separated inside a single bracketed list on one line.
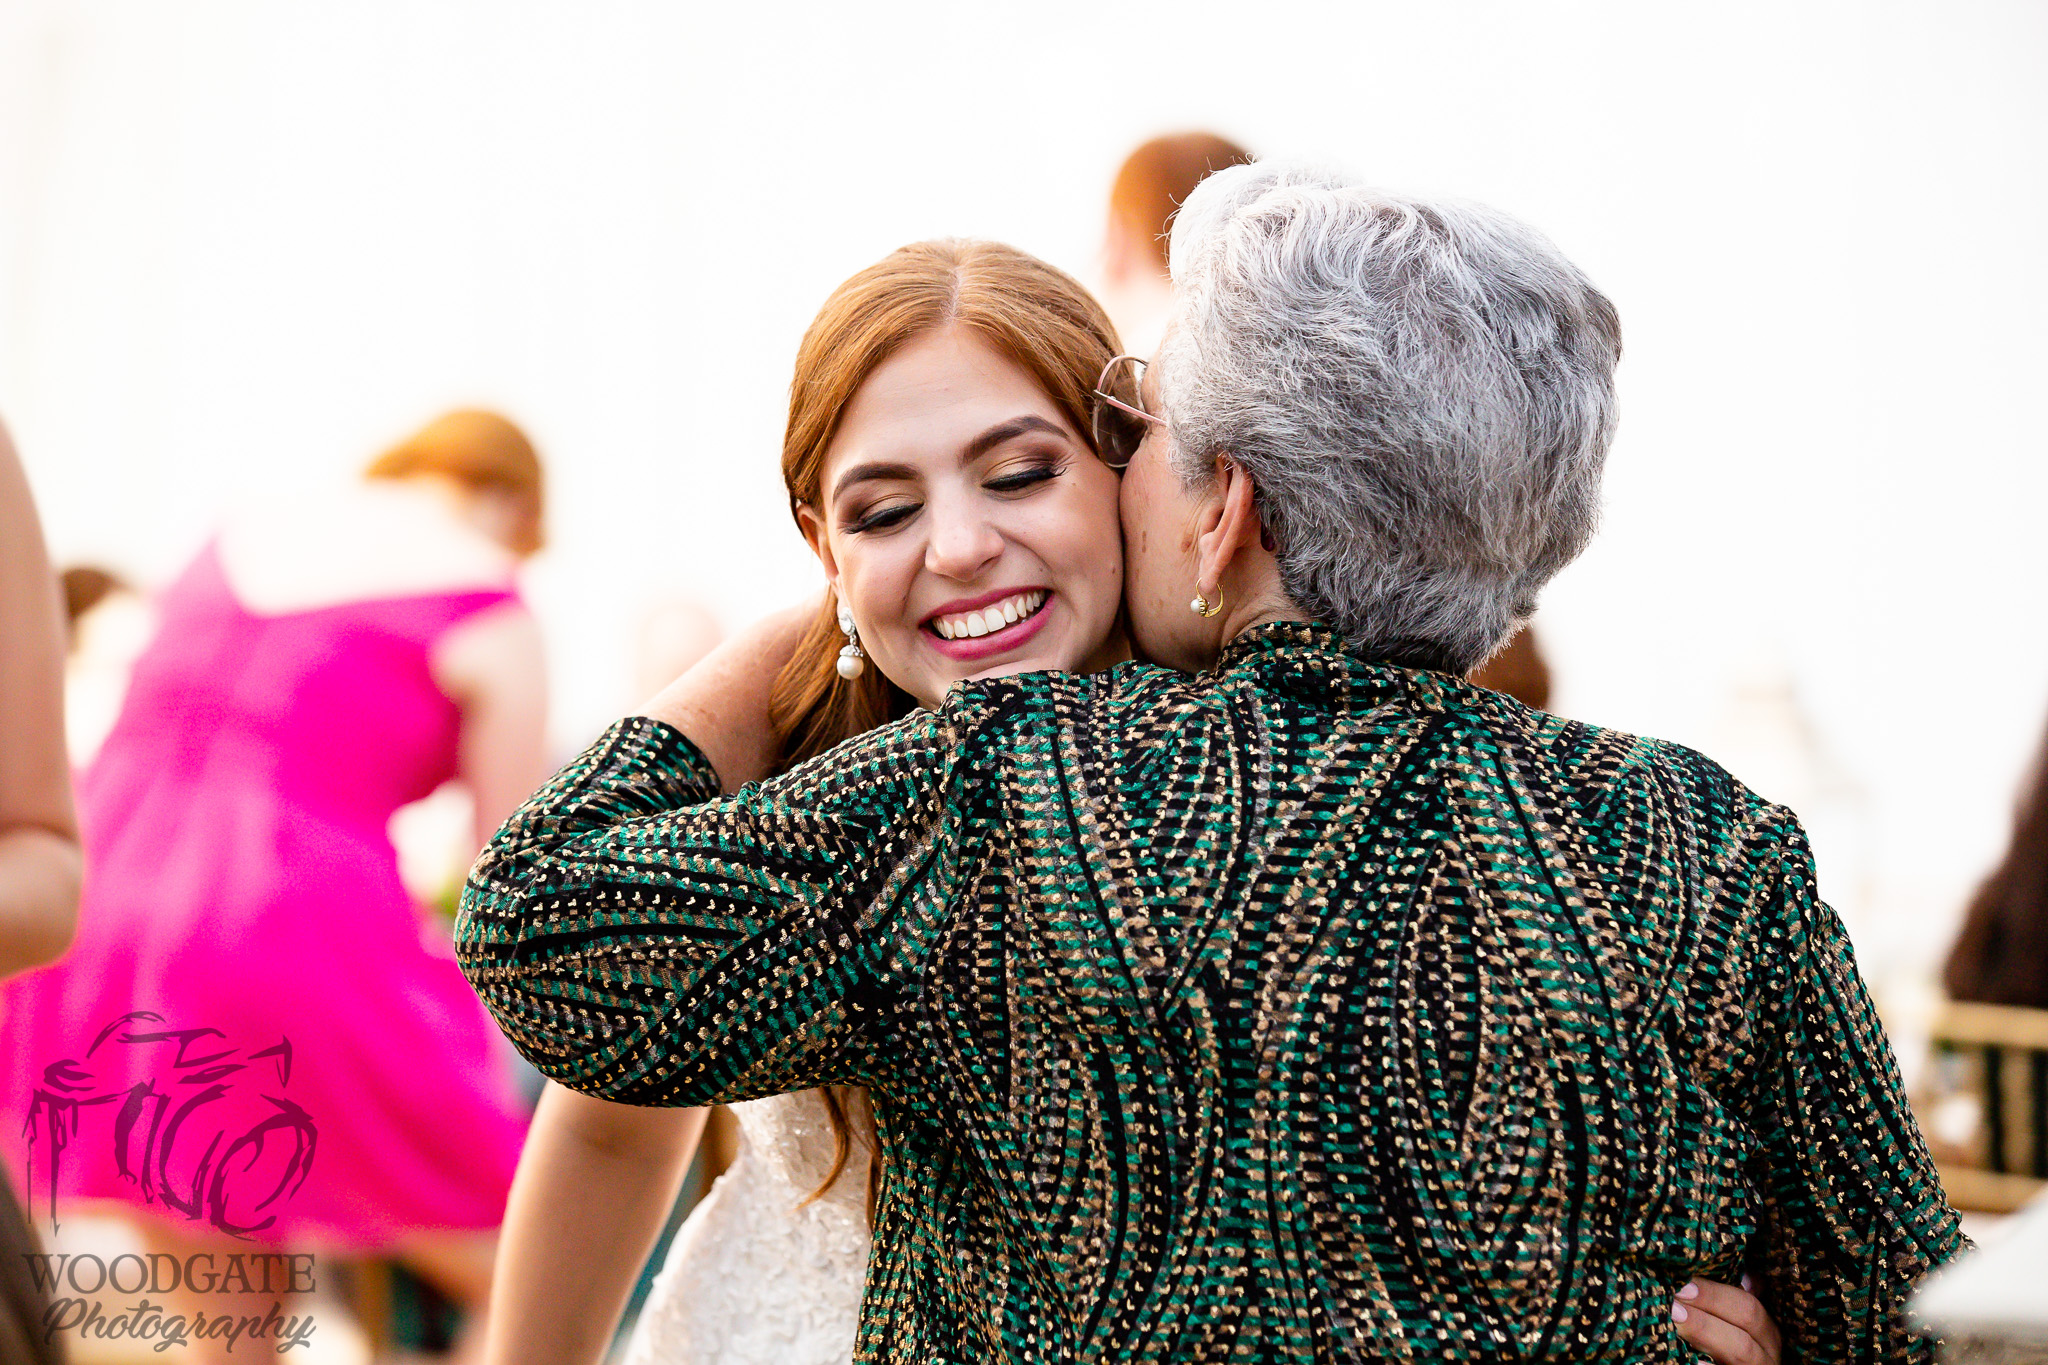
[(1726, 1323)]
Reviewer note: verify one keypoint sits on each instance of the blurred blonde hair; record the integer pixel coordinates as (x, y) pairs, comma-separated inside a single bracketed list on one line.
[(482, 451)]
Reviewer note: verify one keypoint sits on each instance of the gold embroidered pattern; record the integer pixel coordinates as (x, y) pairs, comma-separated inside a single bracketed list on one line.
[(1306, 1010)]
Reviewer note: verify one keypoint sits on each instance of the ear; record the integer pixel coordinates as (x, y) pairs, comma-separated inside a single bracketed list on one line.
[(1226, 525), (813, 527)]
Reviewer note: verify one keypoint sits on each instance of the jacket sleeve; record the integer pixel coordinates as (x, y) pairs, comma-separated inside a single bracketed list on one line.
[(640, 938), (1854, 1213)]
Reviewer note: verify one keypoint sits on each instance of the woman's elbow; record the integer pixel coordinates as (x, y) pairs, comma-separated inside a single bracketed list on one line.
[(41, 873)]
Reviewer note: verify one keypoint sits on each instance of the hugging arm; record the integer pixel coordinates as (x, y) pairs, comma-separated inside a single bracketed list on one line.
[(641, 940), (1854, 1212), (596, 1179)]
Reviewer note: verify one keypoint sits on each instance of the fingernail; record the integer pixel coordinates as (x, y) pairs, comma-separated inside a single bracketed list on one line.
[(1748, 1286), (1678, 1312), (1691, 1291)]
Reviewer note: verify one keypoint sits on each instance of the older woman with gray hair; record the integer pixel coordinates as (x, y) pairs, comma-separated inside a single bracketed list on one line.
[(1295, 1000), (1422, 395)]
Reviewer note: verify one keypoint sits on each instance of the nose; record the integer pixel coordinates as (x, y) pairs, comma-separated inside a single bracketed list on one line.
[(963, 542)]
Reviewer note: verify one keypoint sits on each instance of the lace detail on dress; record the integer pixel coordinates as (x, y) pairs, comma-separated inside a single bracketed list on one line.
[(751, 1278)]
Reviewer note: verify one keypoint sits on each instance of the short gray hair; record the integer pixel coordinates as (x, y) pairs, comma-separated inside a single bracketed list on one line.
[(1422, 393)]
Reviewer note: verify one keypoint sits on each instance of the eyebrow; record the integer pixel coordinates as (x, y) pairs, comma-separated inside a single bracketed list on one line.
[(973, 450)]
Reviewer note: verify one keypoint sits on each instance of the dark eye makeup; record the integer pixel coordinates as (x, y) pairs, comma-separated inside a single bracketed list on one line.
[(1022, 475), (1040, 469), (883, 518)]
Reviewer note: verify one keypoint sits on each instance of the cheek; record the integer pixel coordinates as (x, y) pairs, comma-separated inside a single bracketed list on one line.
[(1137, 525), (872, 583), (1087, 529)]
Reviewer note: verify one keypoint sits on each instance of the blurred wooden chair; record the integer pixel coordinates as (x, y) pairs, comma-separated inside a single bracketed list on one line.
[(1987, 1112)]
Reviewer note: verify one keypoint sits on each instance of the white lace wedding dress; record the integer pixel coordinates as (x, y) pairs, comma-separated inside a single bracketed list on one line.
[(752, 1278)]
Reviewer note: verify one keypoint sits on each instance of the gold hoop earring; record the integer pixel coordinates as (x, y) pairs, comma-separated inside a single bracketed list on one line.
[(1200, 606)]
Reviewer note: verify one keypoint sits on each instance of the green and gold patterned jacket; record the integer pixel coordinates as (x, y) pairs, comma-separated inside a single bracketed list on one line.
[(1306, 1010)]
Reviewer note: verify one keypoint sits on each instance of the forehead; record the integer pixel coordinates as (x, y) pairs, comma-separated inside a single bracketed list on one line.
[(932, 397)]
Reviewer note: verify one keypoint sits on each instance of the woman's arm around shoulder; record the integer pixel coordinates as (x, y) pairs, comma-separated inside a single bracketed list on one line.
[(642, 940), (596, 1179)]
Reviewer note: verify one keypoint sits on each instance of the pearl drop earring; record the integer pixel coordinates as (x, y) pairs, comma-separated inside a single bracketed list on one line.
[(1200, 606), (850, 663)]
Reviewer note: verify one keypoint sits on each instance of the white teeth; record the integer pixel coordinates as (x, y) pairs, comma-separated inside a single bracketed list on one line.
[(989, 619)]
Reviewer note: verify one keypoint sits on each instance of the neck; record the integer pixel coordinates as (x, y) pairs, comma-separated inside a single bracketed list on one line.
[(1255, 596)]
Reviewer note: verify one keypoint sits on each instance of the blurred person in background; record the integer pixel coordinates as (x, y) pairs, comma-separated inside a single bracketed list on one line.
[(39, 857), (316, 667), (942, 443), (2000, 956), (1985, 1092), (1151, 185)]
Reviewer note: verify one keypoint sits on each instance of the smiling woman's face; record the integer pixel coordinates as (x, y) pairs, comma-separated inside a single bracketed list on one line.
[(971, 531)]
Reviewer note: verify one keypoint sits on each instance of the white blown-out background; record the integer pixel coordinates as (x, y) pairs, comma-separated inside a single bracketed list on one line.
[(244, 246)]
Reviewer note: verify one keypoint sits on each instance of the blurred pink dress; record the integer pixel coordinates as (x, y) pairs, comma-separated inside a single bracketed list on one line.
[(240, 879)]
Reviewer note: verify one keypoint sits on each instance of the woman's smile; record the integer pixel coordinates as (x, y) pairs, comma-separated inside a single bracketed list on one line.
[(972, 629)]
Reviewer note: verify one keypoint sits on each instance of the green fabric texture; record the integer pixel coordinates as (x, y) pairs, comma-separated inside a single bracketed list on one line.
[(1308, 1009)]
